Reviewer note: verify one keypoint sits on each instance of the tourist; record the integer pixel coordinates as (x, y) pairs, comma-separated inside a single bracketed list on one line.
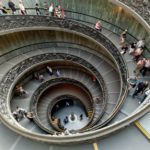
[(98, 26), (22, 8), (49, 70), (38, 12), (67, 104), (11, 5), (132, 48), (147, 93), (60, 125), (57, 12), (63, 13), (132, 81), (97, 100), (124, 49), (66, 132), (140, 43), (58, 74), (72, 116), (146, 67), (140, 88), (19, 113), (38, 76), (20, 91), (139, 65), (66, 120), (30, 116), (123, 37), (16, 116), (81, 117), (53, 118), (137, 53), (60, 11), (51, 9), (3, 10)]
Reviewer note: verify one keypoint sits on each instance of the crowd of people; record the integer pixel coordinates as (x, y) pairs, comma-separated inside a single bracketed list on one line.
[(51, 10), (135, 49), (140, 87), (20, 113), (69, 118)]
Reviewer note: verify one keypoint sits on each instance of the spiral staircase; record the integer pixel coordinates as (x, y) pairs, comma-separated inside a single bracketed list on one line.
[(92, 73)]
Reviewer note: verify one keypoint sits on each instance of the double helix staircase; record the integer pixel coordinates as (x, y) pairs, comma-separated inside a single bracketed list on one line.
[(108, 71)]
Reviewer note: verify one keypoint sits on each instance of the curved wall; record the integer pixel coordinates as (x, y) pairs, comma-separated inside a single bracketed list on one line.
[(15, 40)]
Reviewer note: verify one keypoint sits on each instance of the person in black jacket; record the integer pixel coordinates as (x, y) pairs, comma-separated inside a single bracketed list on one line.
[(11, 5), (38, 12), (140, 88)]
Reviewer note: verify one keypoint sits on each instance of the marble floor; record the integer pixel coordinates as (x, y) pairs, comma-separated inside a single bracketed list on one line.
[(77, 111)]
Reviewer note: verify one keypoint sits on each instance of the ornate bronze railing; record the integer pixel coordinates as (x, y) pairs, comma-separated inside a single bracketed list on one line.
[(49, 83), (15, 72), (28, 21)]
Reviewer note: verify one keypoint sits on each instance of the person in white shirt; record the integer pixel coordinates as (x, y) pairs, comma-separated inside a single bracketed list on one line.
[(58, 73), (140, 44), (22, 8), (21, 111), (51, 9), (49, 70)]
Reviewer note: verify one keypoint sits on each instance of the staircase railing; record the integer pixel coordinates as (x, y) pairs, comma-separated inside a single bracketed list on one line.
[(29, 21)]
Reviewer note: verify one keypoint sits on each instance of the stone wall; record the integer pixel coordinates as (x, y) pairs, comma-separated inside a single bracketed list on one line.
[(16, 40)]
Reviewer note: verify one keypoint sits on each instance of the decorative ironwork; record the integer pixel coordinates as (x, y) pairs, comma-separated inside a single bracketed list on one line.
[(18, 21), (13, 73), (48, 84)]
